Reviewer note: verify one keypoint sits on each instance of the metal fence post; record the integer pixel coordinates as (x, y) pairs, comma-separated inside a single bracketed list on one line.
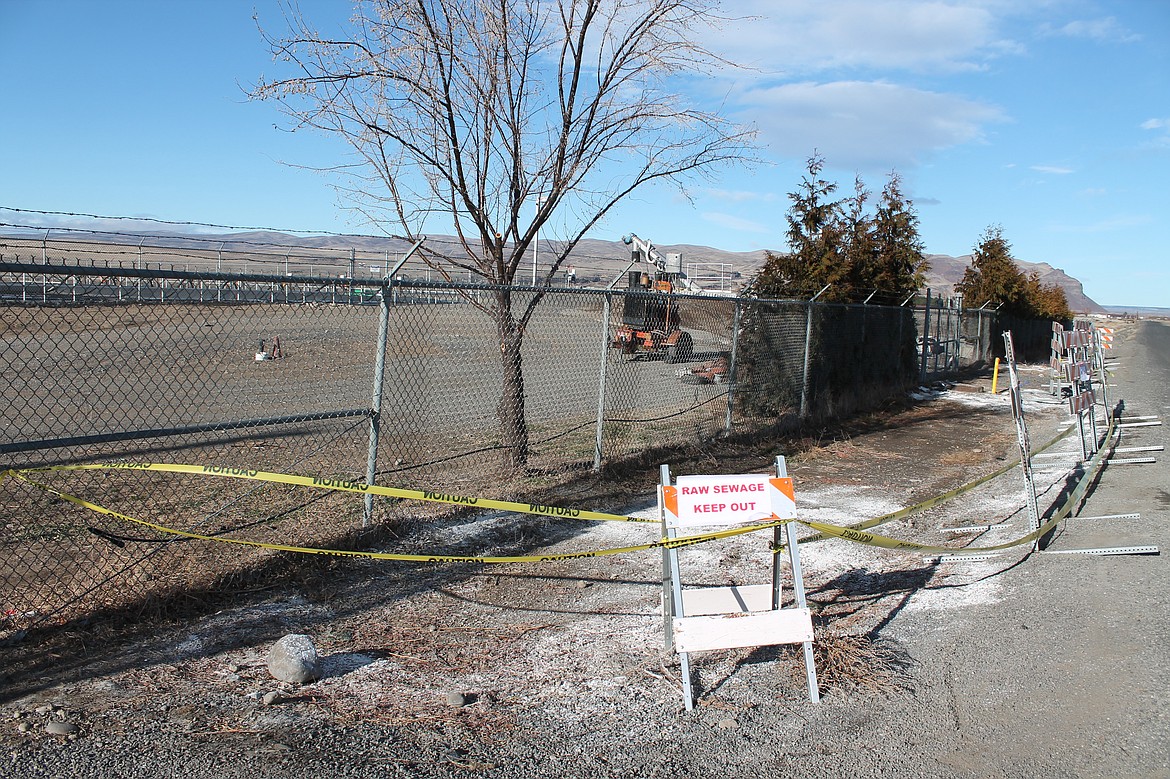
[(376, 403), (978, 355), (925, 341), (901, 345), (605, 311), (955, 334), (807, 349), (735, 320), (352, 270)]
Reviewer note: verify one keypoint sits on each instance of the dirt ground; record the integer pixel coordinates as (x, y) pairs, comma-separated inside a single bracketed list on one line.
[(1025, 664)]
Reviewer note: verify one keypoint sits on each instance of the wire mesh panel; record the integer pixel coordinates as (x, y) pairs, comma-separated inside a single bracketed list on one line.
[(860, 355), (446, 394), (1031, 338), (771, 362), (462, 389), (179, 382), (671, 386), (977, 337)]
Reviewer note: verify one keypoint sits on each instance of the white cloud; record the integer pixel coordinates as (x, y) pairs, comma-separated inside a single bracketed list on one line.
[(867, 125), (732, 222), (1161, 140), (1104, 30), (808, 36), (1113, 224), (1054, 169), (741, 195)]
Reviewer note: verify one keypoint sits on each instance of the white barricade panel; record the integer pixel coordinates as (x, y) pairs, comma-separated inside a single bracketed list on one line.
[(705, 501), (732, 631), (727, 600)]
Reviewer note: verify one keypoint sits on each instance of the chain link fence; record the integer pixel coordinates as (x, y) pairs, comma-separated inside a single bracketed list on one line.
[(401, 384)]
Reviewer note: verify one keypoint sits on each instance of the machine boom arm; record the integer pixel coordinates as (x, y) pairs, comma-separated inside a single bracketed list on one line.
[(654, 258)]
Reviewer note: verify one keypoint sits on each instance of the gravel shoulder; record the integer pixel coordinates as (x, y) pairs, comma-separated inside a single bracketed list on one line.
[(1023, 665)]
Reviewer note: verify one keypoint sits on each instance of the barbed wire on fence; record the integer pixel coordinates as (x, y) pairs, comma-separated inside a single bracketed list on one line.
[(588, 266)]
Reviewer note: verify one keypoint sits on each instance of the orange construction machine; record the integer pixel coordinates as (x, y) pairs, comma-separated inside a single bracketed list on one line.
[(651, 324)]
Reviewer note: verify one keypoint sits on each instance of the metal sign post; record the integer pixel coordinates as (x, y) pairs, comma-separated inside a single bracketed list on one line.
[(1078, 353), (1022, 438)]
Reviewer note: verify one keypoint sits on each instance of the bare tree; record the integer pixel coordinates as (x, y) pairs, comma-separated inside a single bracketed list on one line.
[(494, 114)]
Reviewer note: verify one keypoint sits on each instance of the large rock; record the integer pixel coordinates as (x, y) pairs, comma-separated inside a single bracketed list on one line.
[(294, 659)]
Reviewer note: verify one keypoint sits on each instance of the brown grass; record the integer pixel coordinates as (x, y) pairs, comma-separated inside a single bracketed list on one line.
[(855, 663)]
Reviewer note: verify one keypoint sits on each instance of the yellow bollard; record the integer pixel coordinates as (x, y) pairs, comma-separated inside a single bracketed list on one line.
[(995, 376)]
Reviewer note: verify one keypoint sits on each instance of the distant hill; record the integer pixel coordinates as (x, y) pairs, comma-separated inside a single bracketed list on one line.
[(1142, 311), (595, 261), (946, 272)]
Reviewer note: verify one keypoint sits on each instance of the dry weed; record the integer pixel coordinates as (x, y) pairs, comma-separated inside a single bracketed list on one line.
[(855, 663)]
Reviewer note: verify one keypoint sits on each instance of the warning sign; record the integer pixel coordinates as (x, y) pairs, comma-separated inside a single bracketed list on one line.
[(728, 500)]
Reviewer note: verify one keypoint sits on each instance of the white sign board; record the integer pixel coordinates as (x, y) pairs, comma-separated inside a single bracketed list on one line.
[(731, 631), (697, 501)]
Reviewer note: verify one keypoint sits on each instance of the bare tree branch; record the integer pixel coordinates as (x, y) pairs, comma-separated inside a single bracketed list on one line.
[(497, 114)]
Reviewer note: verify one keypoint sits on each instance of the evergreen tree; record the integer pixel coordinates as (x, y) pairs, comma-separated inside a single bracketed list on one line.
[(900, 264), (1047, 301), (993, 276), (815, 241), (859, 263)]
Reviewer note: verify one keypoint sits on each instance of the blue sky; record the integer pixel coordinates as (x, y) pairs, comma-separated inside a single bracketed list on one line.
[(1048, 117)]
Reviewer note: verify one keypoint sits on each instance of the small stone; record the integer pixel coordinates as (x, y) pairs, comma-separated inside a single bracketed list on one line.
[(294, 659), (24, 727), (58, 728), (43, 710), (456, 699), (582, 584), (727, 724), (271, 698)]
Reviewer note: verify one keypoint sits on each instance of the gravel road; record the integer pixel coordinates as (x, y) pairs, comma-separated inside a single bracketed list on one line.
[(1025, 665)]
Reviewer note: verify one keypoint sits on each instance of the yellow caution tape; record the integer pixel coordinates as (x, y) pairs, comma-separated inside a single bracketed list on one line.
[(933, 501), (872, 539), (671, 543), (855, 533), (350, 485)]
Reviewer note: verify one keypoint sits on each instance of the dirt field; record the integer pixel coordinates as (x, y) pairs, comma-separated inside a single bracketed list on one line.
[(1019, 666)]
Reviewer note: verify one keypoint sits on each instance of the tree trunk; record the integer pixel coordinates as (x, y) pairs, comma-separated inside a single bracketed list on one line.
[(510, 410)]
